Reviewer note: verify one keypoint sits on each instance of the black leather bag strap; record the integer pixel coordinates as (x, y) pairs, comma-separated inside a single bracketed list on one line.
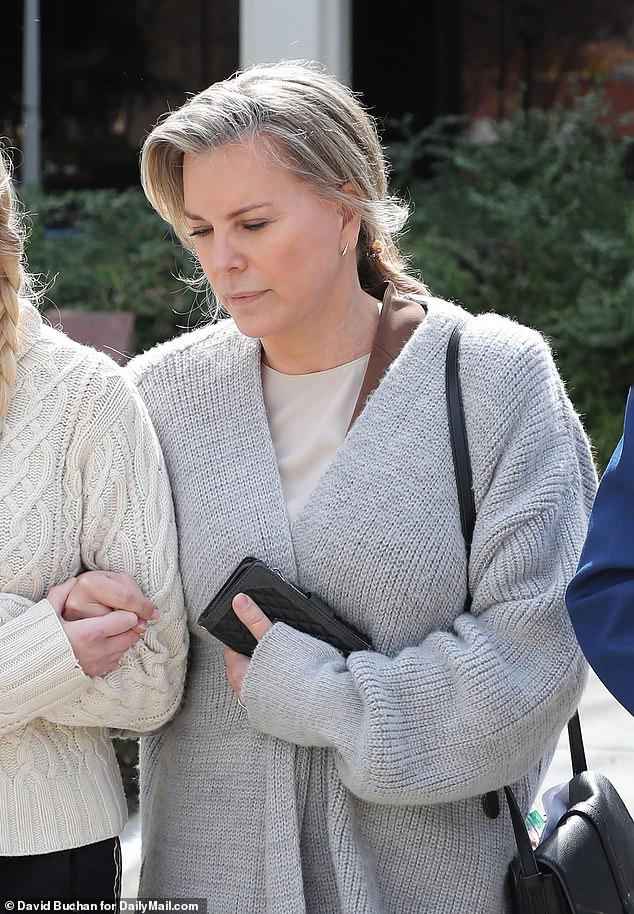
[(459, 442), (530, 880), (525, 852), (575, 741), (464, 483)]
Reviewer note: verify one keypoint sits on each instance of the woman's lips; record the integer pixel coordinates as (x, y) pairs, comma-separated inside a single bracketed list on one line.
[(243, 298)]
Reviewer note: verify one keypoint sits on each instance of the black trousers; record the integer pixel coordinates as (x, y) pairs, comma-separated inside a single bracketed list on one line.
[(81, 873)]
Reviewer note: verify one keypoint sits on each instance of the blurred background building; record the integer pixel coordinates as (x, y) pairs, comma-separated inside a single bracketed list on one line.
[(108, 70)]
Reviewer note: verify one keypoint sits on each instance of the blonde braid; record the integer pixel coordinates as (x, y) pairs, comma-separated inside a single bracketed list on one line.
[(11, 283)]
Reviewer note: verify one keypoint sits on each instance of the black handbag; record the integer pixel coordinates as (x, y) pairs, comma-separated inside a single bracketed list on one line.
[(586, 865)]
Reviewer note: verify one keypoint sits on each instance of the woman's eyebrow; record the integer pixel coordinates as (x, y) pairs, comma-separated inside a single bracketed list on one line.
[(245, 209), (236, 212)]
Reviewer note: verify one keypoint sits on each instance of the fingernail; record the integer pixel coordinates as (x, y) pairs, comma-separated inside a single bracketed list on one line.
[(156, 612), (240, 601), (142, 624)]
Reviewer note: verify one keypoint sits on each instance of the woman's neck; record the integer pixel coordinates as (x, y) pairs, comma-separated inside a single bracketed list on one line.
[(341, 335)]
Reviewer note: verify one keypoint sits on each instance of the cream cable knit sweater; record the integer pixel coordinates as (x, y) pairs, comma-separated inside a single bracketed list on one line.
[(354, 786), (82, 486)]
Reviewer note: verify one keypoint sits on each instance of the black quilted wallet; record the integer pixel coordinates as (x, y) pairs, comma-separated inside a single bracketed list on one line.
[(281, 601)]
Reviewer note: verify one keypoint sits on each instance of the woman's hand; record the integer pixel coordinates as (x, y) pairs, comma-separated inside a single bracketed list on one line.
[(250, 614), (96, 593), (103, 614)]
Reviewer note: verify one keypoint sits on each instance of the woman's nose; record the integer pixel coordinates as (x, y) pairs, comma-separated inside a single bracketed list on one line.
[(226, 256)]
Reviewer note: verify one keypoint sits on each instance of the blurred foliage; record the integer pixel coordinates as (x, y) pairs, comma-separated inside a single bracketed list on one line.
[(109, 251), (539, 225)]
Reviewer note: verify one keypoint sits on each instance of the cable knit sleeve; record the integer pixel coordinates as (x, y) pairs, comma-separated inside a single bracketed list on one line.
[(37, 666), (476, 705), (129, 527)]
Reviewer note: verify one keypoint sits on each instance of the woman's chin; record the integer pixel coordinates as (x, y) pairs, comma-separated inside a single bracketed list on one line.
[(253, 328), (257, 326)]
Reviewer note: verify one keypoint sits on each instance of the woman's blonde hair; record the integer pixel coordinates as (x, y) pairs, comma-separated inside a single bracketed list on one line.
[(12, 281), (313, 125)]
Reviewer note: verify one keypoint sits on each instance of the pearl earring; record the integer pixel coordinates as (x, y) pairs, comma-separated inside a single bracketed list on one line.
[(345, 250)]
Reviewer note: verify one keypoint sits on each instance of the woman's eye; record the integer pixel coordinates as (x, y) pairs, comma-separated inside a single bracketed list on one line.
[(199, 233), (254, 226)]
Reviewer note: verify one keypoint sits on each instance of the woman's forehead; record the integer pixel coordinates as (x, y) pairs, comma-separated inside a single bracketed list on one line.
[(240, 168)]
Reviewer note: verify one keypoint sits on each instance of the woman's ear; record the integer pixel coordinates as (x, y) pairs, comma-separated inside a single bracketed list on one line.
[(351, 221), (351, 190)]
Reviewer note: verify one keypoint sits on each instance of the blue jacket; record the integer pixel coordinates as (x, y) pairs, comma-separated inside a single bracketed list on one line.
[(600, 597)]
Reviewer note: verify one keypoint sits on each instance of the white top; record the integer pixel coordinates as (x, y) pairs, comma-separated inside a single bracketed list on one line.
[(308, 416)]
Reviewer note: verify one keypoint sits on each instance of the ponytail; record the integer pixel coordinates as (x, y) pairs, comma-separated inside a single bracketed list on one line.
[(11, 283)]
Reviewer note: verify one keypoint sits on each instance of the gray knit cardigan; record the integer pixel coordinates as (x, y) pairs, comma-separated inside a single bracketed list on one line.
[(354, 786)]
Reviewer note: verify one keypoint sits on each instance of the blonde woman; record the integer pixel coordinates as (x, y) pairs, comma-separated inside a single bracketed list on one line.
[(299, 780), (85, 514)]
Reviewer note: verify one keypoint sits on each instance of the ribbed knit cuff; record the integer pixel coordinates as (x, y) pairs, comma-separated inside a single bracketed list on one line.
[(292, 681), (37, 665)]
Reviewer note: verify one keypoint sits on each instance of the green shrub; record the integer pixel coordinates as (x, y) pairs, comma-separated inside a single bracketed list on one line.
[(109, 251), (538, 225)]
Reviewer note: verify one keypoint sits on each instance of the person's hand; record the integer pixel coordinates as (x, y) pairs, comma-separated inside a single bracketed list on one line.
[(103, 614), (96, 593), (250, 614), (58, 595), (100, 643)]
